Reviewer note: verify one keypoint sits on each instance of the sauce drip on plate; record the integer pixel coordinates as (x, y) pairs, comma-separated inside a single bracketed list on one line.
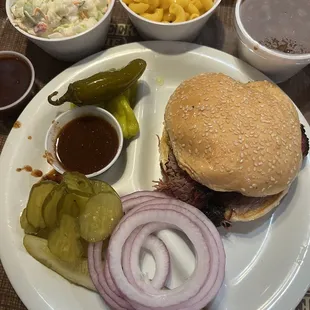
[(86, 144), (282, 25), (15, 78)]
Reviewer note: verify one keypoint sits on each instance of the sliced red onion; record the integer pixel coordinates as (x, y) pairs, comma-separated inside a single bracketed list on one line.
[(167, 298), (146, 214), (118, 301), (159, 252), (95, 278), (142, 194), (215, 279)]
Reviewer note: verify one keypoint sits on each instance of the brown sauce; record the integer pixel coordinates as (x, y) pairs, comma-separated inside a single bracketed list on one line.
[(52, 175), (25, 168), (34, 172), (17, 124), (37, 173), (282, 25), (86, 144), (15, 78)]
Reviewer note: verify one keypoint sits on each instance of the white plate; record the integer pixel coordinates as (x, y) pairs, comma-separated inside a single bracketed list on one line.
[(268, 262)]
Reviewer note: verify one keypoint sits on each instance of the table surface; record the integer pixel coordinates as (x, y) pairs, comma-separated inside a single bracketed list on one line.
[(218, 33)]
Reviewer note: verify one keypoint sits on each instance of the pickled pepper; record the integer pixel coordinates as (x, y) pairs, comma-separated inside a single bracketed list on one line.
[(101, 87), (121, 110)]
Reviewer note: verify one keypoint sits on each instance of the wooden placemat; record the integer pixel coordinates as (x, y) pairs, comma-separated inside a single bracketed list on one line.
[(218, 33)]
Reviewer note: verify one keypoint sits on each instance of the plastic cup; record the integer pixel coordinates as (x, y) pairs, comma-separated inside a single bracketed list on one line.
[(278, 66)]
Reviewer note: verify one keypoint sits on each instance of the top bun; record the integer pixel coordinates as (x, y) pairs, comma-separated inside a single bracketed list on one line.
[(231, 136)]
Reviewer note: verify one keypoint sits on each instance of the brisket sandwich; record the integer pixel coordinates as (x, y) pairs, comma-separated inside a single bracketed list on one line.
[(230, 149)]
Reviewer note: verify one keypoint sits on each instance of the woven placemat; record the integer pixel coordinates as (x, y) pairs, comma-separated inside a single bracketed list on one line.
[(218, 33)]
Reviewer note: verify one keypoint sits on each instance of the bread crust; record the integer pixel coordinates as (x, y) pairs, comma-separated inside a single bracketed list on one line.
[(234, 137)]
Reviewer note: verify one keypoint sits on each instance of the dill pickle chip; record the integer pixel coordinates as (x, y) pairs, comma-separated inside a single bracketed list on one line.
[(76, 273), (78, 183), (67, 205), (28, 228), (36, 199), (71, 204), (101, 215), (102, 187), (50, 205), (64, 241)]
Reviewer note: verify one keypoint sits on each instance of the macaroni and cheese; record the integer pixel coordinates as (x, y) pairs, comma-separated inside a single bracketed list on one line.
[(169, 11)]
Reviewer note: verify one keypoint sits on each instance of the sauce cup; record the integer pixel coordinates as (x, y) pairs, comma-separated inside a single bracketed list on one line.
[(20, 103), (278, 66), (66, 117)]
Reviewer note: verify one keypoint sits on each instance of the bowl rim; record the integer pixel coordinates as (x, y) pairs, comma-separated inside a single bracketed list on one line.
[(262, 47), (32, 79), (99, 112), (214, 7), (9, 3)]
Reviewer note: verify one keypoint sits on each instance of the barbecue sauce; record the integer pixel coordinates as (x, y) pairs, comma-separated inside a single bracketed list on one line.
[(15, 78), (86, 144)]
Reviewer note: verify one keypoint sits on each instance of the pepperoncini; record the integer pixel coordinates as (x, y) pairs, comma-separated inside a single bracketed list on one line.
[(101, 87), (124, 114)]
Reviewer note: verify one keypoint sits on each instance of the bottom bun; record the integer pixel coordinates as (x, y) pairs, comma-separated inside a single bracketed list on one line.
[(266, 205)]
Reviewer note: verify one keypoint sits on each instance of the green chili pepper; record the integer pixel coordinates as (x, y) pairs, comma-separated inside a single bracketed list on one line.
[(101, 87), (131, 94), (124, 114)]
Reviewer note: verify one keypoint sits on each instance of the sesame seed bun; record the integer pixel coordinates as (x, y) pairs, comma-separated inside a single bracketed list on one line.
[(244, 210), (234, 137)]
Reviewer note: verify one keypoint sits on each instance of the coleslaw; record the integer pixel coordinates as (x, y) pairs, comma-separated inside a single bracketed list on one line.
[(57, 18)]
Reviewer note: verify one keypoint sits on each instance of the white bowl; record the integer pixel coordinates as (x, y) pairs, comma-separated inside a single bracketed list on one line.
[(68, 116), (19, 103), (276, 65), (185, 31), (71, 48)]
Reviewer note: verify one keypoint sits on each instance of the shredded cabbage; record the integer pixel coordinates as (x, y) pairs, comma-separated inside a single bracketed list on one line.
[(57, 18)]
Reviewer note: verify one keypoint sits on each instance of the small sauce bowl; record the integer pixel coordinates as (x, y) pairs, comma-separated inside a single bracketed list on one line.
[(17, 80), (63, 121)]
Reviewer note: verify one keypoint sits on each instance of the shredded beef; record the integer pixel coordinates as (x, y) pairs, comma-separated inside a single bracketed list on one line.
[(217, 206), (177, 183), (304, 141)]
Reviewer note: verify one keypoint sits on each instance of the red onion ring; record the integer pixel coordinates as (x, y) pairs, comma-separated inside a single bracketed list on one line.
[(161, 256), (131, 200), (94, 276), (133, 231)]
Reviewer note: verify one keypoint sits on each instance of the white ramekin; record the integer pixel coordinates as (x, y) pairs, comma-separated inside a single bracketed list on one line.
[(68, 116), (22, 101)]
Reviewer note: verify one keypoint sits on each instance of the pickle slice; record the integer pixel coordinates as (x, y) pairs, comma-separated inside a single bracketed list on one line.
[(75, 273), (102, 187), (64, 241), (101, 215), (36, 199), (28, 228), (68, 205), (71, 204), (51, 204), (78, 183)]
